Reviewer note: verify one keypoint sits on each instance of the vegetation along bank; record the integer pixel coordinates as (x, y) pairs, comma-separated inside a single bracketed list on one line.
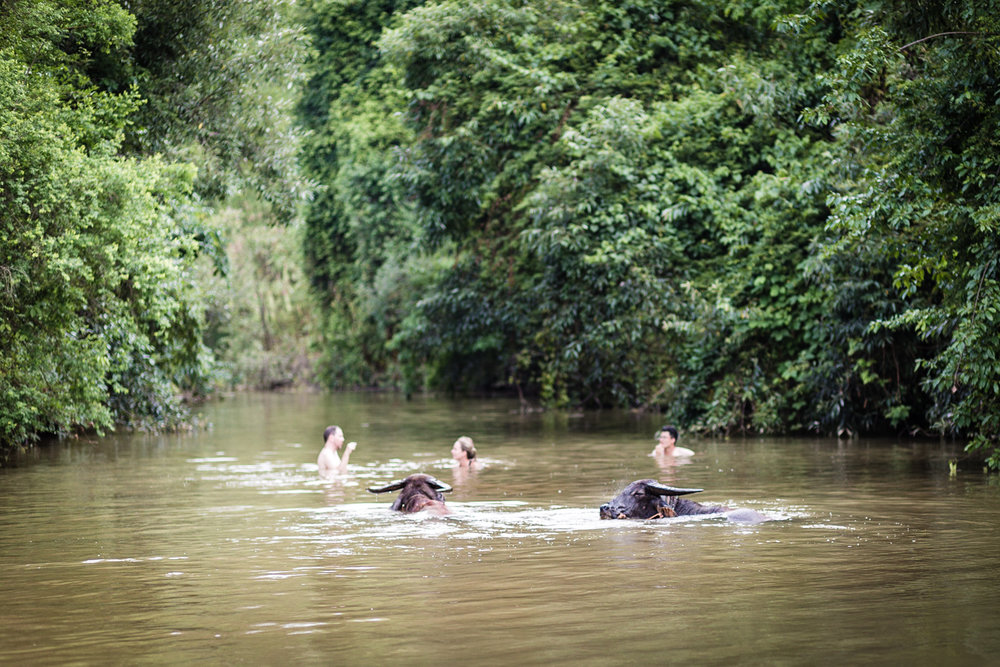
[(770, 216)]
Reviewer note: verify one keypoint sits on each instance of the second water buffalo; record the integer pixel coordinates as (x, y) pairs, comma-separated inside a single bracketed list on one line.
[(417, 492), (649, 499)]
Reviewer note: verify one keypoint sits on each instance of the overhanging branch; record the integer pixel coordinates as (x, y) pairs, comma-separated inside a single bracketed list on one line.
[(943, 34)]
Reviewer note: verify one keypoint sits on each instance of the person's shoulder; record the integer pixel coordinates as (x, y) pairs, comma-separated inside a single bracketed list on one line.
[(683, 451)]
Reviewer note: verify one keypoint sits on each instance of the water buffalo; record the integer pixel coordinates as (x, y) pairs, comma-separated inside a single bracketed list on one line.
[(419, 492), (648, 499)]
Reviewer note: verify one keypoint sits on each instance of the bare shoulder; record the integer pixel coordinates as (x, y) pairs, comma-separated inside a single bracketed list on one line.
[(327, 459)]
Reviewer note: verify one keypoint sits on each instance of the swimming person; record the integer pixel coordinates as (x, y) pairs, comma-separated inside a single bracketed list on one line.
[(464, 451), (666, 444), (329, 463)]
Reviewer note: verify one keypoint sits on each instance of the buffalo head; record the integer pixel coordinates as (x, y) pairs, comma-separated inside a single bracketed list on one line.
[(648, 499), (419, 492)]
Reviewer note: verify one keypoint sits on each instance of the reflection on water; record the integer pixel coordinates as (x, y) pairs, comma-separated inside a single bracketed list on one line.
[(225, 546)]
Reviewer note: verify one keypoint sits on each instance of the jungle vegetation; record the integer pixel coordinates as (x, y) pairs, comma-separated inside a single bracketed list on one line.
[(767, 216), (124, 129)]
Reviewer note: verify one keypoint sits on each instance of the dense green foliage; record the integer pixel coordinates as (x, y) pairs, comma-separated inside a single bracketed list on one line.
[(260, 315), (117, 134), (916, 218), (761, 216), (585, 175), (218, 78), (754, 215), (96, 307), (360, 227)]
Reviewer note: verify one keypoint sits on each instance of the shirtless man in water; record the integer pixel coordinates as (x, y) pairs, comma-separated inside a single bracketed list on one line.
[(329, 463), (666, 444)]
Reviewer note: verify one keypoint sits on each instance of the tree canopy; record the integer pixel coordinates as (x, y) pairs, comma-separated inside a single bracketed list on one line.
[(118, 133), (758, 216)]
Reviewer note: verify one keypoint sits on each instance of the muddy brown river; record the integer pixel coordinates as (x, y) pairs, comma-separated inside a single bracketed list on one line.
[(223, 545)]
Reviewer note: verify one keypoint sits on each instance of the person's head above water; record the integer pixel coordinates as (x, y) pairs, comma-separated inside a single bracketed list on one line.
[(666, 443), (337, 433), (463, 450), (666, 439), (667, 431)]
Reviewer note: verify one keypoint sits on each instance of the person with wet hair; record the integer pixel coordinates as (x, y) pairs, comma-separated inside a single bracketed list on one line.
[(330, 464), (464, 451), (666, 444)]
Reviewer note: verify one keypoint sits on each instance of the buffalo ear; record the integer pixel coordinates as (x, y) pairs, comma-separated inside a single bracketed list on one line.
[(664, 490), (438, 484), (391, 486)]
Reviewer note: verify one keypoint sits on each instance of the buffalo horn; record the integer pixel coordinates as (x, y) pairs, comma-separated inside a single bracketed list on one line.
[(391, 486), (664, 490), (438, 484)]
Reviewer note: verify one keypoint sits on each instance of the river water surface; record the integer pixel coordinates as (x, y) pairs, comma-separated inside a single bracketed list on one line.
[(223, 546)]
